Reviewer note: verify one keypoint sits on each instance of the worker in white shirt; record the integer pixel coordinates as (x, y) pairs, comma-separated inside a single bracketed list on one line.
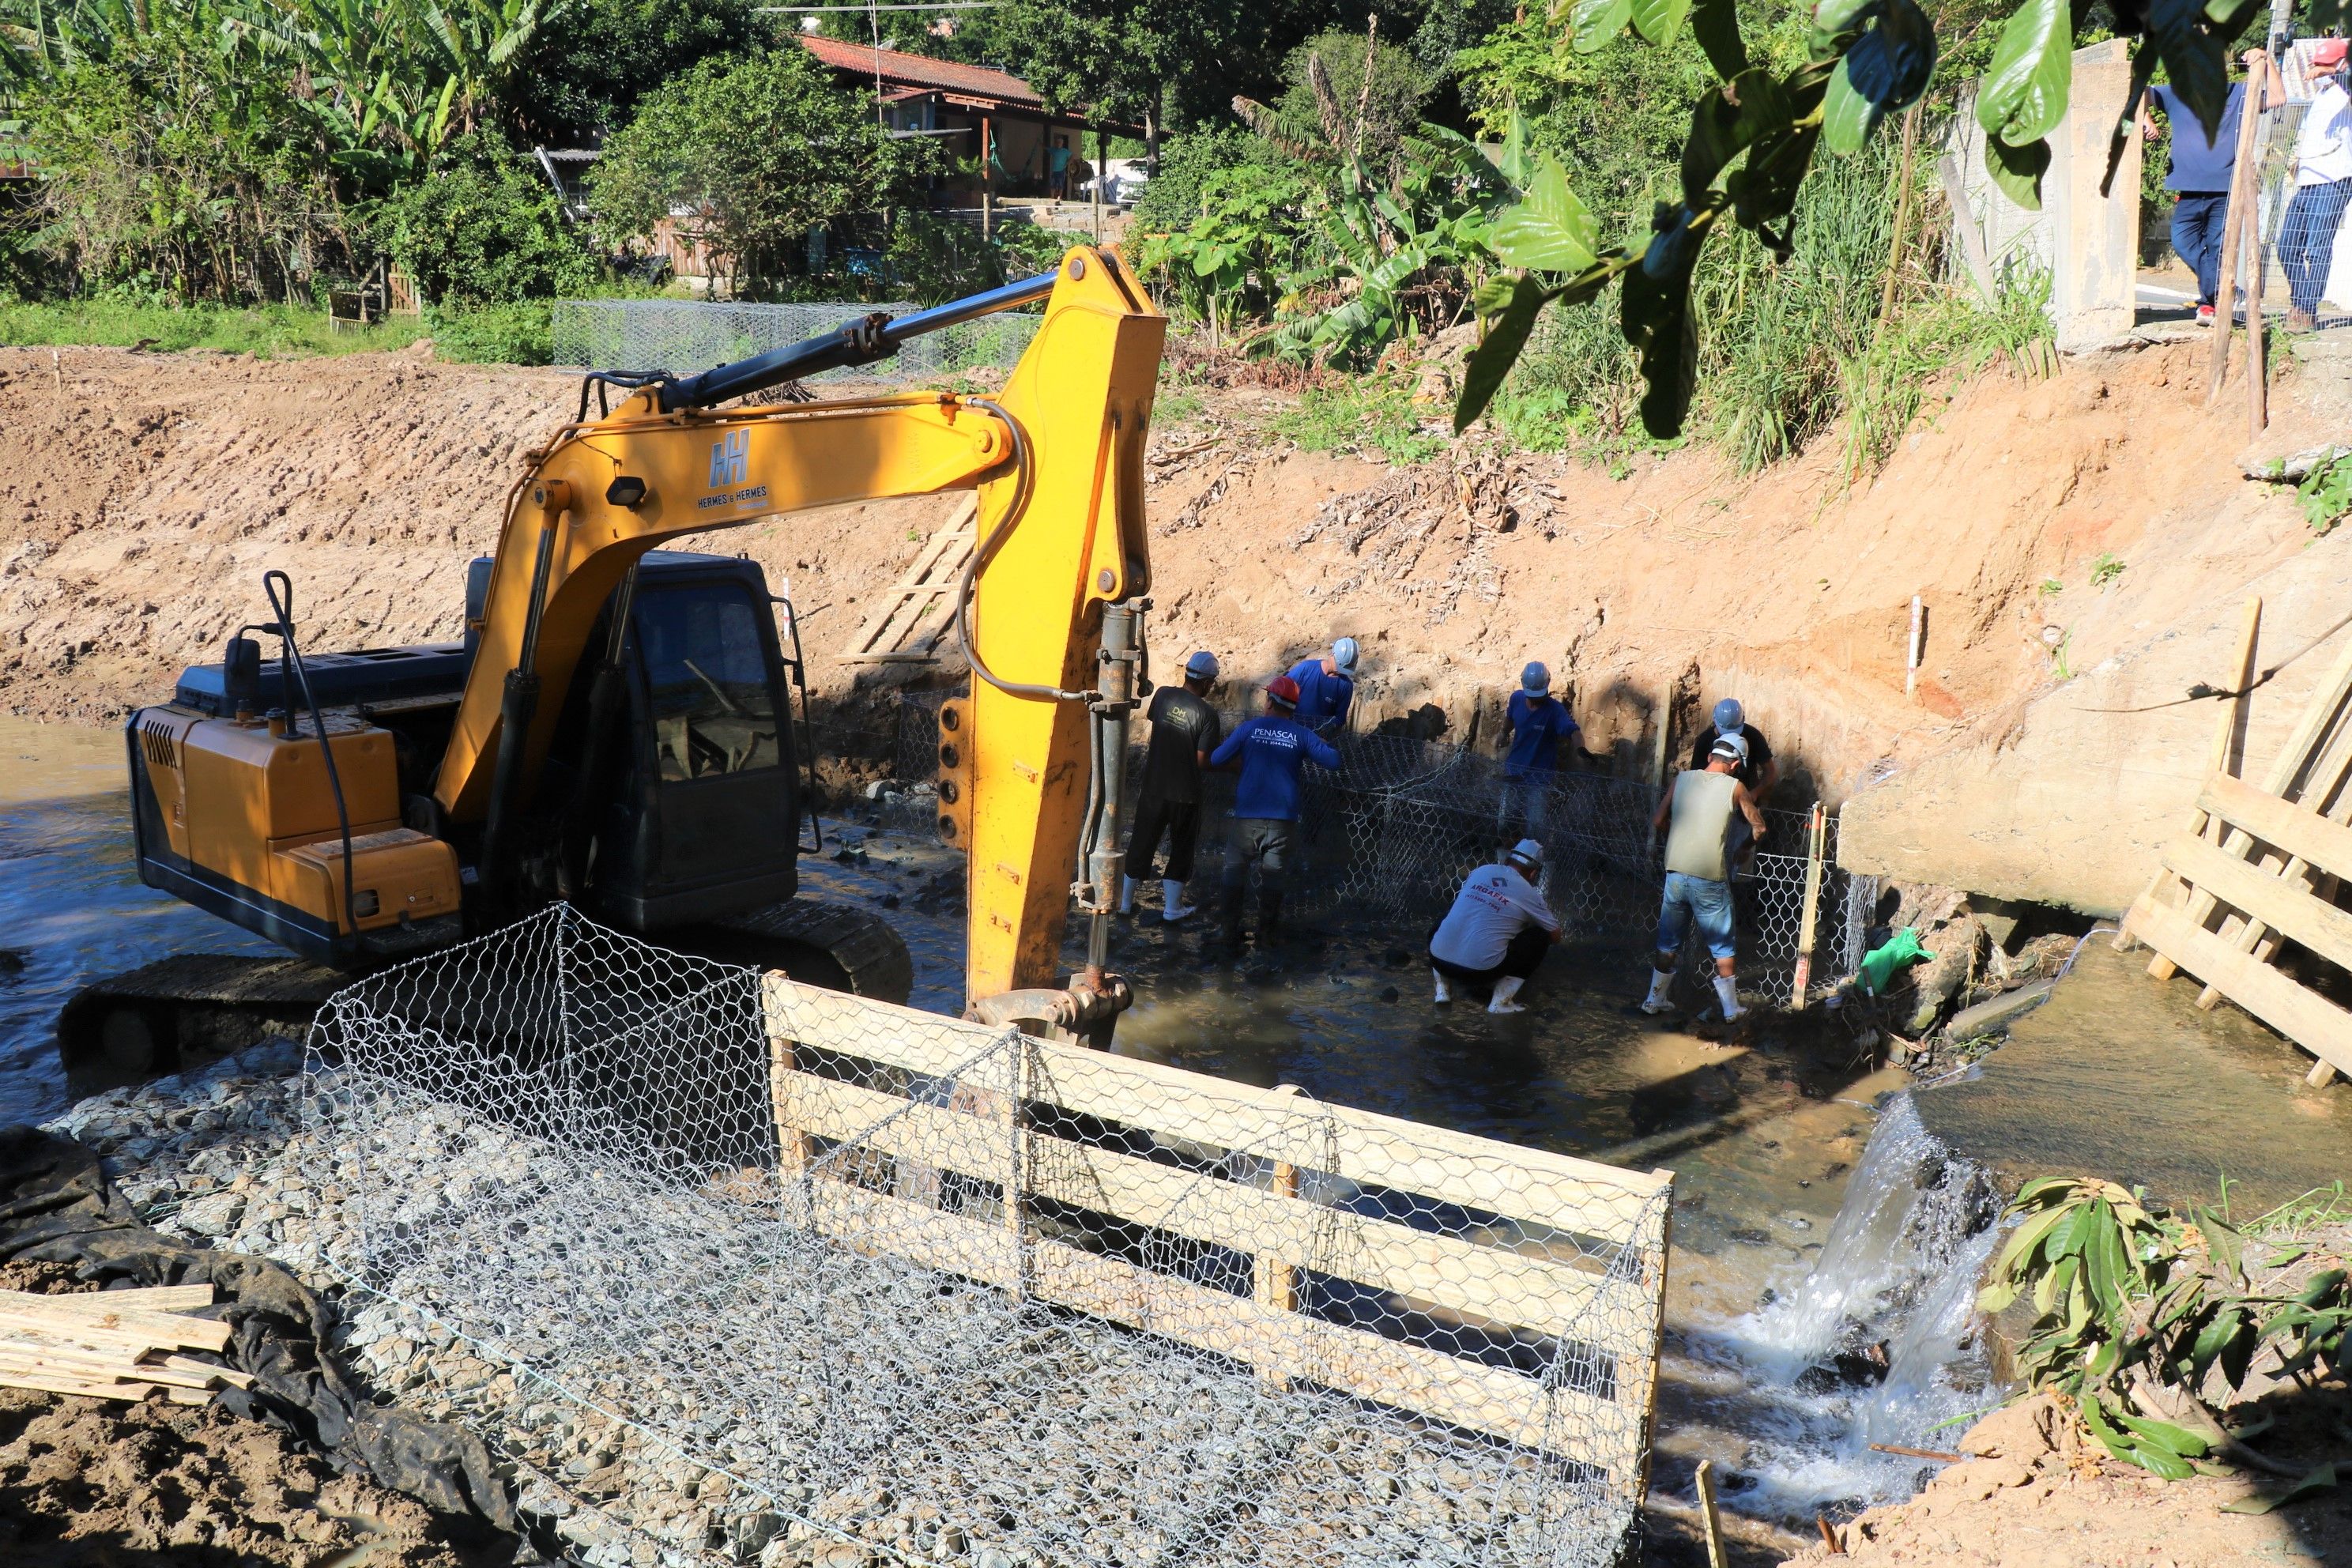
[(2323, 187), (1496, 932)]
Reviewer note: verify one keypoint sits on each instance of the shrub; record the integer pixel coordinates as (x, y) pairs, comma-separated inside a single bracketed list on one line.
[(484, 228), (520, 332)]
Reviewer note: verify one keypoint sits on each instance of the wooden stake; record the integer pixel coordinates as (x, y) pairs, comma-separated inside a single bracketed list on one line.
[(1714, 1526), (2257, 337), (1828, 1536), (1918, 646), (1818, 840), (2241, 185)]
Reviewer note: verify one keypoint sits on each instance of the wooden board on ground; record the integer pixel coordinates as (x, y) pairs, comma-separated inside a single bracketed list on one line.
[(114, 1345), (911, 617)]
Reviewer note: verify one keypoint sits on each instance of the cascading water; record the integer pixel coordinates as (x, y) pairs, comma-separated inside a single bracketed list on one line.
[(1879, 1342)]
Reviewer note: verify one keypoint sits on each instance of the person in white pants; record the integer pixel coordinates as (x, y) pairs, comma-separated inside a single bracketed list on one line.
[(1496, 932)]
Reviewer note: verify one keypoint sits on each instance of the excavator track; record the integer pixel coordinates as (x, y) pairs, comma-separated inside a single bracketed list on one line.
[(179, 1011), (199, 1006), (839, 946)]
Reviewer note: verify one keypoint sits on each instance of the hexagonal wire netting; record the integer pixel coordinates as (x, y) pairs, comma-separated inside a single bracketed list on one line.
[(1387, 839), (914, 1290)]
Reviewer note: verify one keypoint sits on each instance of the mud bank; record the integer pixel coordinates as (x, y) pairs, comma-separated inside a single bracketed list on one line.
[(142, 495)]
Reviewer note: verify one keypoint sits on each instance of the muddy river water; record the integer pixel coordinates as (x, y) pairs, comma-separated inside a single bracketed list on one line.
[(1767, 1279)]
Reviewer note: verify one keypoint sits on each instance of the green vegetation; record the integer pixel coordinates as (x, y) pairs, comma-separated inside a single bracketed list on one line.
[(273, 331), (2136, 1308), (2326, 493), (2105, 569), (1364, 413)]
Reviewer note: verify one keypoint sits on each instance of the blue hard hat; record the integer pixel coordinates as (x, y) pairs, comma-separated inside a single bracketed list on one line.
[(1535, 677), (1203, 664), (1343, 654), (1728, 716)]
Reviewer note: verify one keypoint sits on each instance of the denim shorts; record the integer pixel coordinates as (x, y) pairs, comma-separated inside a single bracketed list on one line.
[(1692, 899)]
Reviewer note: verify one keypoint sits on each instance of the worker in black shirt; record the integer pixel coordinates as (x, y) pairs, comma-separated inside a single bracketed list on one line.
[(1760, 773), (1184, 731)]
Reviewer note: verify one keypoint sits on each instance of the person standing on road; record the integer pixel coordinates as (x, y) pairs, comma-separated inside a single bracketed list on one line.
[(1496, 932), (2323, 188), (2200, 176), (1540, 723), (1697, 815), (1327, 686), (1271, 751), (1184, 731)]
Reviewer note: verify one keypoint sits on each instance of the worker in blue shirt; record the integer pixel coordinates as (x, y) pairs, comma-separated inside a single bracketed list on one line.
[(1271, 751), (1540, 723), (1326, 686)]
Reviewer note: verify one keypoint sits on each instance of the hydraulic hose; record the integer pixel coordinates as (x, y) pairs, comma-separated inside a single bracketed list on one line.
[(1024, 469), (279, 589)]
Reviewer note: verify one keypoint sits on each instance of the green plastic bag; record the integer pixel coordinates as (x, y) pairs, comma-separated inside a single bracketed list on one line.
[(1883, 965)]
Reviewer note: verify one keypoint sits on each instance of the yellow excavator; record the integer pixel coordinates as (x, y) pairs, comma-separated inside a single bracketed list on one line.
[(616, 729)]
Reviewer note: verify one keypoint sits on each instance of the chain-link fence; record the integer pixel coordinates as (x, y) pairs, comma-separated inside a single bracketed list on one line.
[(788, 1274), (1391, 836), (687, 335), (2302, 238)]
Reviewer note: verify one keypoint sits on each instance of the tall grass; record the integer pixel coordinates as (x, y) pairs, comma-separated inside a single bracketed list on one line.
[(1792, 348), (273, 331)]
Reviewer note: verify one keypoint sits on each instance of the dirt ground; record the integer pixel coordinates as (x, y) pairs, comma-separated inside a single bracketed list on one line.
[(2030, 1500), (98, 1483)]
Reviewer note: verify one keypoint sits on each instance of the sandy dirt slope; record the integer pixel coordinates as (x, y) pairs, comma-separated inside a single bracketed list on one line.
[(142, 496)]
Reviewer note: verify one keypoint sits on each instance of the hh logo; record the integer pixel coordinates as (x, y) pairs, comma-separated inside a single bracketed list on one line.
[(729, 456)]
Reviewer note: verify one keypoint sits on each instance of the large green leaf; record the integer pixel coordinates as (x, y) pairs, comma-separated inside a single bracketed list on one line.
[(2023, 95), (1730, 119), (1887, 70), (1549, 230), (2319, 1481), (1491, 361), (1764, 189), (1659, 20), (1597, 21), (2018, 171), (2177, 1440), (1657, 321), (2196, 59), (1715, 24)]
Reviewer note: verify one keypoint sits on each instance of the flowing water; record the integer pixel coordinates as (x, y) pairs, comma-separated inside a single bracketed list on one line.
[(1813, 1215)]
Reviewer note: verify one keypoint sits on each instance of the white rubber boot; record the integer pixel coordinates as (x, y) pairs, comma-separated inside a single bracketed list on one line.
[(1444, 991), (1506, 990), (1126, 895), (1661, 981), (1173, 907), (1727, 991)]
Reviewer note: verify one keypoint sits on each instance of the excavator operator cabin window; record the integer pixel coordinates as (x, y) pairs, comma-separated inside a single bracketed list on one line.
[(707, 676)]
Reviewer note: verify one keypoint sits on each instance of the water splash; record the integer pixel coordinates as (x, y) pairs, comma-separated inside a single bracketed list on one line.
[(1880, 1342)]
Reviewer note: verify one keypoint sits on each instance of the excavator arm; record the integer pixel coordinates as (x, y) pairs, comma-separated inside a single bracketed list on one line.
[(1056, 459)]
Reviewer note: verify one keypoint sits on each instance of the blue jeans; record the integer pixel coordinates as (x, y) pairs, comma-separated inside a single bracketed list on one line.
[(2197, 234), (2306, 241), (1692, 899)]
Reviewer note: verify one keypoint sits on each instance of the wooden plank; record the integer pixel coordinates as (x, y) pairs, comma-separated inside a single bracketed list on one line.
[(148, 1298), (875, 1031), (2290, 908), (1368, 1147), (1495, 1400), (914, 600), (2296, 829), (2320, 794), (1524, 1290), (2316, 1025), (227, 1374), (917, 577), (41, 1384), (158, 1331), (2317, 719), (2224, 751)]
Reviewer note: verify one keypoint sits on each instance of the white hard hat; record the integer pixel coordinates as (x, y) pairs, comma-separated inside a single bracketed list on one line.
[(1528, 852)]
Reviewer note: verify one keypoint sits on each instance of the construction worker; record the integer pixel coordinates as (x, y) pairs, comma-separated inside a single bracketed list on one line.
[(1270, 750), (1326, 686), (1696, 815), (1496, 932), (1760, 773), (1540, 723), (1184, 731)]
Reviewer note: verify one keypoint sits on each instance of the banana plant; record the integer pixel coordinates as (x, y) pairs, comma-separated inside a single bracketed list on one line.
[(1753, 137), (2135, 1307)]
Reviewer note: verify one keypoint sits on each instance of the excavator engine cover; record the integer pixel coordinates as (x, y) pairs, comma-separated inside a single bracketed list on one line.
[(237, 817)]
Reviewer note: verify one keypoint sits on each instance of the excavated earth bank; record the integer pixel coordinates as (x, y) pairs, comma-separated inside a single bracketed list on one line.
[(142, 496)]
